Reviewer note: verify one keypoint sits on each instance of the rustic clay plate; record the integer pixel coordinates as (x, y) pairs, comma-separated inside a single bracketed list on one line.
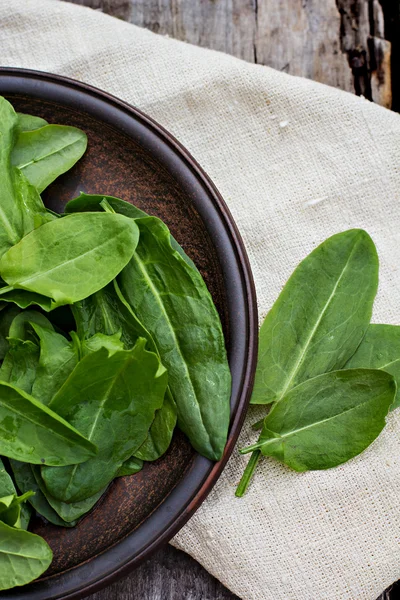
[(132, 157)]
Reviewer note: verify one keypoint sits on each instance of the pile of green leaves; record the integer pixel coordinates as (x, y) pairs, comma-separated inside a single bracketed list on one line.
[(330, 376), (109, 339)]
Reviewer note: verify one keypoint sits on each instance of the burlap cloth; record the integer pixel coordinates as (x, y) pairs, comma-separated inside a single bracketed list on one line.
[(296, 162)]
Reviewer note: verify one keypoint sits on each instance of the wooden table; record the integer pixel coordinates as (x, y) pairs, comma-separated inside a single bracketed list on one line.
[(350, 44)]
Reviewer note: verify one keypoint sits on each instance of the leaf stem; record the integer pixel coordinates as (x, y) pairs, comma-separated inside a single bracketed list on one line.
[(251, 448), (248, 473), (25, 497), (106, 206)]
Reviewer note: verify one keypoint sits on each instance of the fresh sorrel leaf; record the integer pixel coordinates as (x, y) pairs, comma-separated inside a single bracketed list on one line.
[(325, 421)]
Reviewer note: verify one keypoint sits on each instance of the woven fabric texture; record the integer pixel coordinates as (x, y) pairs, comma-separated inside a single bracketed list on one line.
[(296, 162)]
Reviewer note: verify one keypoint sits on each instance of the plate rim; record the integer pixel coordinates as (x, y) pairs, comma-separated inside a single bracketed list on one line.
[(105, 576)]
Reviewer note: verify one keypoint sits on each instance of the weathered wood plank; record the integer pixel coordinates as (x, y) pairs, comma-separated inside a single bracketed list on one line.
[(368, 52), (169, 575), (225, 25), (343, 43), (303, 38), (117, 8)]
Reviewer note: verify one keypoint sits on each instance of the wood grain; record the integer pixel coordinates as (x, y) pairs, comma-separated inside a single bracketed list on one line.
[(169, 575), (350, 44)]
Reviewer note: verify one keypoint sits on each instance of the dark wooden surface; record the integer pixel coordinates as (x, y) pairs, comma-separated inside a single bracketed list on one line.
[(169, 575), (350, 44)]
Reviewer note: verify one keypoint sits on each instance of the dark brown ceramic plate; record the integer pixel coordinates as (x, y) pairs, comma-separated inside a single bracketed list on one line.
[(132, 157)]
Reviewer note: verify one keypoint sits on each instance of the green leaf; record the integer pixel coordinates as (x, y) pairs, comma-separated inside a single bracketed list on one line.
[(24, 299), (162, 428), (112, 400), (5, 503), (93, 202), (59, 513), (160, 433), (58, 358), (21, 208), (7, 487), (31, 432), (44, 154), (320, 316), (113, 343), (69, 513), (173, 303), (11, 507), (23, 557), (25, 481), (21, 325), (130, 467), (105, 312), (25, 516), (71, 258), (20, 364), (29, 122), (33, 213), (318, 320), (380, 349), (7, 315), (325, 421), (108, 311)]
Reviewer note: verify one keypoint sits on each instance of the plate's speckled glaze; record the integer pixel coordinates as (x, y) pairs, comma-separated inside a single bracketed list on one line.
[(131, 157)]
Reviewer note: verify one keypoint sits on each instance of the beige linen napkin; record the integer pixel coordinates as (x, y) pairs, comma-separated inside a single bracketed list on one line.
[(296, 162)]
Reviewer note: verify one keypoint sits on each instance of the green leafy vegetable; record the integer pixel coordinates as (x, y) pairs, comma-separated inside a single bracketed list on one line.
[(173, 303), (160, 433), (44, 154), (23, 556), (112, 399), (58, 513), (12, 510), (69, 513), (113, 343), (380, 349), (7, 487), (20, 364), (24, 299), (25, 516), (318, 320), (61, 259), (7, 316), (22, 322), (109, 312), (11, 507), (78, 408), (162, 428), (130, 467), (95, 202), (29, 122), (21, 209), (327, 420), (58, 358), (92, 203), (25, 481), (31, 432), (105, 312), (320, 316)]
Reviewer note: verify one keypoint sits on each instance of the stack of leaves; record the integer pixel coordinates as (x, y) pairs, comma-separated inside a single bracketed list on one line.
[(109, 338), (329, 375)]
